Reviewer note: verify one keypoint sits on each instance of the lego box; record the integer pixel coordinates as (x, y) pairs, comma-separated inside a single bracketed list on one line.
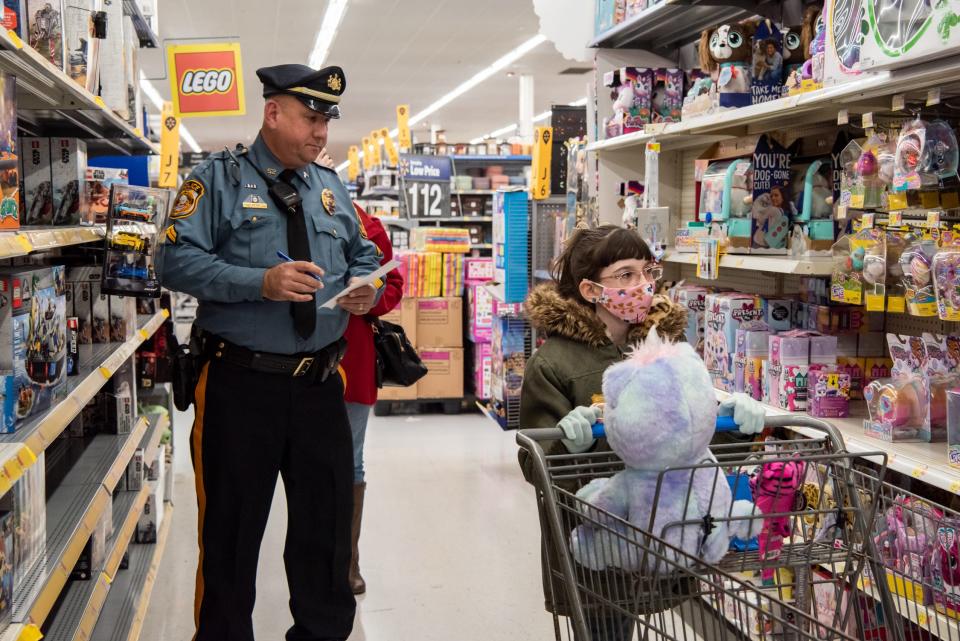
[(97, 187), (46, 29), (440, 322), (68, 166), (445, 376), (37, 181), (82, 48), (113, 80), (33, 329), (9, 159)]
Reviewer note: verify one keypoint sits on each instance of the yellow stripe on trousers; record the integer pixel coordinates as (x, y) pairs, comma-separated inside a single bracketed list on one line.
[(199, 404)]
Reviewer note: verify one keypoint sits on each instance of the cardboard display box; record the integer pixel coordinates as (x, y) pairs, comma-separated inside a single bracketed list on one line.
[(397, 393), (405, 315), (439, 322), (445, 378), (68, 166)]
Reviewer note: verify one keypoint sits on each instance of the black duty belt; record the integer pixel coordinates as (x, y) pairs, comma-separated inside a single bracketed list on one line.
[(318, 366)]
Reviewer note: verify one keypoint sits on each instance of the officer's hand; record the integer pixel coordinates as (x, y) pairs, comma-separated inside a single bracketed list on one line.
[(325, 159), (360, 300), (292, 282)]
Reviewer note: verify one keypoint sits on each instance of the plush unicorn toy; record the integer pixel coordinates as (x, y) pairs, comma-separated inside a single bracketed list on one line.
[(659, 414)]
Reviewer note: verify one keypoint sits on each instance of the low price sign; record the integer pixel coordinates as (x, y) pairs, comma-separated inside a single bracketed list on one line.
[(206, 79), (425, 186)]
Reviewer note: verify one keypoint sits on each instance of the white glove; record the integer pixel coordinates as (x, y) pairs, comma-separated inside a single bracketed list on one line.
[(746, 412), (577, 426)]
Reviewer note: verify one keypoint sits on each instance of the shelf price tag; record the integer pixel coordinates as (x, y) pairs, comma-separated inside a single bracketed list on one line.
[(843, 117), (17, 42), (933, 97), (841, 212), (30, 633), (895, 219), (933, 219), (897, 200), (23, 243), (896, 305), (868, 120), (899, 102), (866, 221)]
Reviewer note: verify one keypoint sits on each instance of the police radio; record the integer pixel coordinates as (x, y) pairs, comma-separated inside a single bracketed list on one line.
[(285, 196)]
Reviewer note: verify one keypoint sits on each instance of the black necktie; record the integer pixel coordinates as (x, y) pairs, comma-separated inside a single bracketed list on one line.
[(298, 244)]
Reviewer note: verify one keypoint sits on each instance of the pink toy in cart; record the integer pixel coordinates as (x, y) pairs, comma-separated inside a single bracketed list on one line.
[(668, 487), (775, 488), (946, 569)]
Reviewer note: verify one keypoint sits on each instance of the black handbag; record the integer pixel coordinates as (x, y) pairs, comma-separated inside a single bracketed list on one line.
[(398, 364)]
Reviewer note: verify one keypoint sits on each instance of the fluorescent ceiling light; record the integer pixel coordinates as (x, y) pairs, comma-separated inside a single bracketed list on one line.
[(498, 65), (154, 96), (328, 31)]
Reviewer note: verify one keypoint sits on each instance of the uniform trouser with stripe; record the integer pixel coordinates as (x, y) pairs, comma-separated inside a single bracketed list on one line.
[(249, 428)]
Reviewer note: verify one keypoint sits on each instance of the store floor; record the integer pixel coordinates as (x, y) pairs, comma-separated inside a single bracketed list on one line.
[(450, 541)]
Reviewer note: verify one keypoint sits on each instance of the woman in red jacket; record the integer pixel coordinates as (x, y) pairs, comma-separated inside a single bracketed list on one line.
[(359, 366)]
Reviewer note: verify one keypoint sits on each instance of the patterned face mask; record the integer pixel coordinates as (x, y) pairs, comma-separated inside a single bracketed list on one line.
[(629, 304)]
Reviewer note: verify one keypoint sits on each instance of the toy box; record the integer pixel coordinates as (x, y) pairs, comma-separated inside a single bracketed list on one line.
[(152, 517), (37, 181), (100, 308), (897, 38), (82, 279), (694, 299), (134, 221), (828, 393), (953, 427), (482, 370), (122, 404), (94, 554), (68, 165), (725, 192), (946, 590), (14, 14), (478, 270), (632, 94), (113, 80), (131, 60), (604, 16), (445, 376), (767, 63), (480, 301), (941, 376), (135, 471), (844, 42), (511, 244), (7, 553), (27, 502), (46, 30), (440, 322), (33, 327), (82, 45), (10, 172), (725, 314), (786, 370), (771, 206), (667, 103), (97, 187), (508, 361), (123, 318), (898, 406), (778, 314), (752, 349)]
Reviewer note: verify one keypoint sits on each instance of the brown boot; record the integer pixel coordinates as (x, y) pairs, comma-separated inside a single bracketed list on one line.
[(357, 584)]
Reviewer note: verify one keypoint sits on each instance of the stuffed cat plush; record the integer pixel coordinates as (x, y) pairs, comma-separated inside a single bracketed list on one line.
[(658, 416)]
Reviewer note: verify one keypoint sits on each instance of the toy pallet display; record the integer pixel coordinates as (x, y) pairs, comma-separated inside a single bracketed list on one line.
[(822, 355)]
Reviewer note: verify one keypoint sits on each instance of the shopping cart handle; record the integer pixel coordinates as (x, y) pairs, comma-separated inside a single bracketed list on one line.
[(724, 424)]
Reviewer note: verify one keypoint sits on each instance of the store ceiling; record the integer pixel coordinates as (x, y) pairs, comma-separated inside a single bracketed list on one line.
[(393, 51)]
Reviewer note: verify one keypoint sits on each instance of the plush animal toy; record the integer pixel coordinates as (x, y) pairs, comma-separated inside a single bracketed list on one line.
[(775, 490), (657, 416), (726, 53)]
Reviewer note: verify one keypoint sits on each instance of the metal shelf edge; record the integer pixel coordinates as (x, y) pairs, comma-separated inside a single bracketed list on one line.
[(123, 534), (122, 461)]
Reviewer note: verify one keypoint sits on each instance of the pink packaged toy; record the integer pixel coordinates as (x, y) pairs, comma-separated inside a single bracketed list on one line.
[(898, 406), (632, 100), (482, 368), (477, 270), (724, 315), (945, 568), (694, 299), (752, 349), (829, 393), (480, 302), (779, 314), (787, 370)]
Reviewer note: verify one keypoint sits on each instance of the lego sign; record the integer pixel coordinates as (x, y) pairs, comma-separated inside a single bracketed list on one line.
[(206, 80)]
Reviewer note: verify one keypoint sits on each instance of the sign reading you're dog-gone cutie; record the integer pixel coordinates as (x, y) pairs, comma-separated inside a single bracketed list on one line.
[(206, 79)]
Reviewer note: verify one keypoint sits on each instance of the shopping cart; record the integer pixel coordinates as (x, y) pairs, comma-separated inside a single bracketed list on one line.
[(798, 579)]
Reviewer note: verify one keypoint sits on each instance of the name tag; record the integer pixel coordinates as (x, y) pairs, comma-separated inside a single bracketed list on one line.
[(253, 201)]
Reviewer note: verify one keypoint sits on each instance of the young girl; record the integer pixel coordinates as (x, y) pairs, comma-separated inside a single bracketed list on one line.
[(602, 302)]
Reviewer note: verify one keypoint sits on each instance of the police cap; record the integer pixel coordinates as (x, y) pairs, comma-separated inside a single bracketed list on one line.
[(318, 90)]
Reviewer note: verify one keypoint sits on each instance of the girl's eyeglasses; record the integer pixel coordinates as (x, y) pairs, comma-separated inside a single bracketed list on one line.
[(650, 273)]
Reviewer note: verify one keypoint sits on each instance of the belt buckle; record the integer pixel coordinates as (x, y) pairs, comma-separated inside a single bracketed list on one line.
[(303, 367)]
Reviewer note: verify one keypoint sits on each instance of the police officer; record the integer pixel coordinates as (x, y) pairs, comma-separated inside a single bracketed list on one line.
[(269, 398)]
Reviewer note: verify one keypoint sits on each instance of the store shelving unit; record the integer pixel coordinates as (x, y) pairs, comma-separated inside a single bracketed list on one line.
[(145, 33), (51, 103), (761, 263), (671, 22), (81, 603)]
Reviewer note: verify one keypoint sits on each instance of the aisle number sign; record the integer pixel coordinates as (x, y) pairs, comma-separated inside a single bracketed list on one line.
[(367, 153), (392, 156), (403, 127), (353, 168), (425, 186), (540, 164), (169, 147), (206, 79)]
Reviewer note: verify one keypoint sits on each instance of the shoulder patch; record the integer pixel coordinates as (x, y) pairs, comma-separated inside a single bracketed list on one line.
[(187, 199), (171, 234)]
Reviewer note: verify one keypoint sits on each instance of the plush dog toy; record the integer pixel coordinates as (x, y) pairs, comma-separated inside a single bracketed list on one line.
[(659, 415)]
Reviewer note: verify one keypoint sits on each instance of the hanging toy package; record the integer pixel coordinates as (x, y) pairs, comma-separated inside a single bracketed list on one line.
[(916, 262), (946, 278), (860, 270), (651, 175)]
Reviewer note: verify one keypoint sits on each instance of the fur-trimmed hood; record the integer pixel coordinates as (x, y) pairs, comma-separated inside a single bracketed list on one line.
[(552, 314)]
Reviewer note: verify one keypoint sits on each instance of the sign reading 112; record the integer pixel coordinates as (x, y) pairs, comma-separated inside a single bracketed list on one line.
[(426, 200), (425, 186)]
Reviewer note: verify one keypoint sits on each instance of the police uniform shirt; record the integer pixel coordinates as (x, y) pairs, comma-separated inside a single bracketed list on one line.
[(223, 237)]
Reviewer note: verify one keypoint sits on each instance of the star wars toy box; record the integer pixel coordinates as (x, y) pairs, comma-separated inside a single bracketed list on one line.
[(27, 502), (97, 186), (82, 42), (772, 207), (46, 29), (135, 218), (725, 314), (37, 181), (81, 279), (113, 77), (131, 70), (10, 171), (152, 517), (68, 165), (6, 567), (33, 328)]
